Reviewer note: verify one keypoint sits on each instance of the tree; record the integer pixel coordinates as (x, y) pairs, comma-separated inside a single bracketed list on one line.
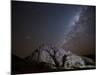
[(52, 51)]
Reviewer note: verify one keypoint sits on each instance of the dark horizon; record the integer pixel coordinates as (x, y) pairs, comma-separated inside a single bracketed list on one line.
[(64, 25)]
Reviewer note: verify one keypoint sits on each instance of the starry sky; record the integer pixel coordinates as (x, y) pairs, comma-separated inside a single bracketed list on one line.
[(69, 26)]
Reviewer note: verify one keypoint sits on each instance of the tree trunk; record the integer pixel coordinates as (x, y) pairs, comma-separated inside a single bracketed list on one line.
[(56, 62)]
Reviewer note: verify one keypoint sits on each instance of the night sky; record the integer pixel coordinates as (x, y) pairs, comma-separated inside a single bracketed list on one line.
[(69, 26)]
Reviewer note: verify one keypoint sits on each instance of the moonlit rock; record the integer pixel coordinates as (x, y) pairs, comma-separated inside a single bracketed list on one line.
[(71, 61), (43, 56), (74, 61)]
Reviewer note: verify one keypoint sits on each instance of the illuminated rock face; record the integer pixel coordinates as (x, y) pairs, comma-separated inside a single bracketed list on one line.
[(41, 55), (74, 61), (45, 53)]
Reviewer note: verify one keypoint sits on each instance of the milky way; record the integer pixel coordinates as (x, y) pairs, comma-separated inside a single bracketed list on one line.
[(68, 26), (81, 37)]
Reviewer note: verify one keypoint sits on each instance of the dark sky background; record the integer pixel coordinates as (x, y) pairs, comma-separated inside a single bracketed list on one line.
[(69, 26)]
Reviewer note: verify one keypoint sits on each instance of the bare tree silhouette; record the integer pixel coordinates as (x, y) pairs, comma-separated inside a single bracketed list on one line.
[(53, 52)]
